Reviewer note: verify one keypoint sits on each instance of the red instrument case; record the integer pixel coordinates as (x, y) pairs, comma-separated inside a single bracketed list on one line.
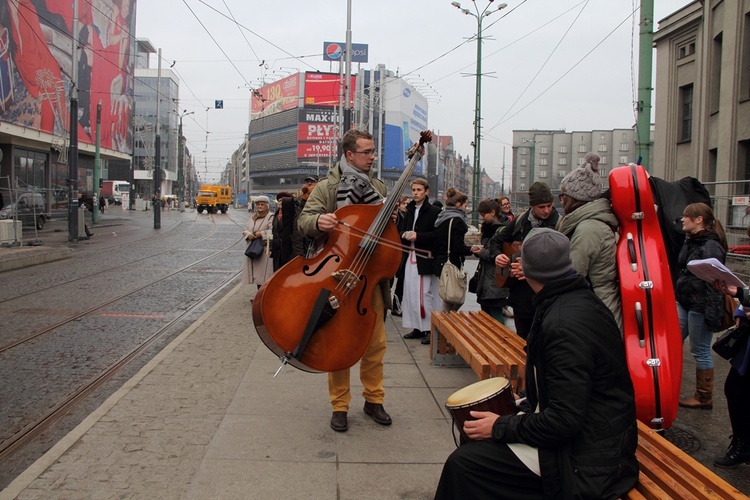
[(653, 343)]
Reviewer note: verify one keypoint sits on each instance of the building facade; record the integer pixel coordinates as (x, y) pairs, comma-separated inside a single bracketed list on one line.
[(549, 155), (702, 101)]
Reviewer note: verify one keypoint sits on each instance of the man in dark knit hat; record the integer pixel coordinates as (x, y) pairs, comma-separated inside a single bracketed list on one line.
[(575, 435), (503, 248)]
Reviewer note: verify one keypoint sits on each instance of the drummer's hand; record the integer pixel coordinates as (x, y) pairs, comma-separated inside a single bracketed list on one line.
[(516, 270), (481, 428), (326, 222), (502, 260)]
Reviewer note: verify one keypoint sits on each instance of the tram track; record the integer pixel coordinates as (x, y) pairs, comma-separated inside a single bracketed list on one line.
[(16, 437), (29, 432)]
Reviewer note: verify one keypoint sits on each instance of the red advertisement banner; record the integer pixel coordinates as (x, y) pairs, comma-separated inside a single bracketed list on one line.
[(275, 97), (315, 149), (322, 89)]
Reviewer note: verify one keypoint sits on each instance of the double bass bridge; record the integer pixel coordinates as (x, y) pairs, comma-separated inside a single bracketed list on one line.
[(346, 278)]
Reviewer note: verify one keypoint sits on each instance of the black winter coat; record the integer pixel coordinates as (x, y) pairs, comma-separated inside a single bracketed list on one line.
[(459, 250), (692, 292), (425, 229), (586, 428), (488, 293)]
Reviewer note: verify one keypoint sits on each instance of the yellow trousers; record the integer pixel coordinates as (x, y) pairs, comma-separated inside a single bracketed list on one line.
[(370, 366)]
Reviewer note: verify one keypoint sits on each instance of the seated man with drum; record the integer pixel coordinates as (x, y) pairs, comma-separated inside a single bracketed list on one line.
[(576, 433)]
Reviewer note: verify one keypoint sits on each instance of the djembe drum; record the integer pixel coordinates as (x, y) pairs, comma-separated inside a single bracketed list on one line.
[(492, 394)]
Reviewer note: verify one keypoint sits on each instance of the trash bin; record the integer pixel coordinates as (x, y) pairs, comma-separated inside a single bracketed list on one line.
[(82, 223)]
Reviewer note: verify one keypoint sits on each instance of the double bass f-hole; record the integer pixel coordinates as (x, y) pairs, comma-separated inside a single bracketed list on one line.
[(306, 269)]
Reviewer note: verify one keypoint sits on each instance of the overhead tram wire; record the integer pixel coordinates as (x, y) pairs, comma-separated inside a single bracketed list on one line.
[(256, 34), (533, 79), (240, 29), (566, 73)]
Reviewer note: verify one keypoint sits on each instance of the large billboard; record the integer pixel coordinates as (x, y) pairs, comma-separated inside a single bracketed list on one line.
[(406, 117), (322, 89), (36, 67), (317, 133), (275, 97)]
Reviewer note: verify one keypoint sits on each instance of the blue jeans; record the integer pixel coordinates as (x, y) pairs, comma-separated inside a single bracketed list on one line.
[(692, 325)]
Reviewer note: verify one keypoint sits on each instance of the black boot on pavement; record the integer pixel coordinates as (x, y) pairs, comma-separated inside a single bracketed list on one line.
[(378, 413), (738, 452), (339, 422), (414, 334)]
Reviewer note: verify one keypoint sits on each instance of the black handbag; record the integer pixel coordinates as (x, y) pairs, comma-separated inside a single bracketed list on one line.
[(254, 249), (474, 282), (732, 341)]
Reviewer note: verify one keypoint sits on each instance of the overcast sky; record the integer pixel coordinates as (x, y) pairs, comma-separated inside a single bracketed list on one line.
[(548, 64)]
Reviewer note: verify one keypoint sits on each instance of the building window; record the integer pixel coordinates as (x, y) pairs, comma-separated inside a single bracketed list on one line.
[(561, 173), (624, 146), (542, 174), (563, 150), (542, 161), (715, 75), (562, 161), (524, 151), (686, 112), (603, 172), (686, 50), (522, 175), (522, 187), (523, 162), (581, 148), (624, 160), (580, 160), (745, 65), (543, 150), (602, 148), (603, 160)]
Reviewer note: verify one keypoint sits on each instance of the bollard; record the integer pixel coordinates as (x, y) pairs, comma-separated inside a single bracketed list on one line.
[(82, 223)]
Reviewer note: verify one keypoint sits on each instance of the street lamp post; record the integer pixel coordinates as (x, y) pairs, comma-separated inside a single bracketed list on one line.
[(477, 174), (180, 163)]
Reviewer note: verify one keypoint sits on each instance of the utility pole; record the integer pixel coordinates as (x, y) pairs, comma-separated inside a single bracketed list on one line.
[(97, 163), (348, 70), (180, 164), (645, 69), (157, 151), (477, 172), (73, 152)]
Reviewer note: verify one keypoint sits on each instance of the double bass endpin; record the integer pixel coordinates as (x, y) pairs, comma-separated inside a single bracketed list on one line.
[(284, 362)]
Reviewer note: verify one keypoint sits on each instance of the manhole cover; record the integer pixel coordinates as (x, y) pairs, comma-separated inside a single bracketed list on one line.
[(682, 439)]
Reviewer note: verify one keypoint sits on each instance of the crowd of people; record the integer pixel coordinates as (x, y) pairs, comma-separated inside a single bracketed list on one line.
[(575, 432)]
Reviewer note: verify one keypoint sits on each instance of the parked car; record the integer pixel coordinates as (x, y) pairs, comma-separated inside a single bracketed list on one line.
[(29, 208)]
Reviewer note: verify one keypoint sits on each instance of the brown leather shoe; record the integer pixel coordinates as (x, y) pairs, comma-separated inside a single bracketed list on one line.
[(339, 422), (378, 413)]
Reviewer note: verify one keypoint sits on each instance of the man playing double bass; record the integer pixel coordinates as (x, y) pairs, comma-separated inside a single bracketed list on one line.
[(351, 182)]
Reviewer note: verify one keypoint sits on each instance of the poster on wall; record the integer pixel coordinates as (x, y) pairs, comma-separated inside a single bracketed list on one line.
[(36, 67), (275, 97), (406, 117)]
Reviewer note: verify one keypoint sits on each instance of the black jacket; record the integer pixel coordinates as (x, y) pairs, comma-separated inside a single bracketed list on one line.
[(517, 229), (459, 250), (488, 293), (425, 229), (692, 292), (577, 373)]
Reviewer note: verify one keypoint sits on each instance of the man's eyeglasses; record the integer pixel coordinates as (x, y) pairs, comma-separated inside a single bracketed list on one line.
[(367, 152), (505, 205)]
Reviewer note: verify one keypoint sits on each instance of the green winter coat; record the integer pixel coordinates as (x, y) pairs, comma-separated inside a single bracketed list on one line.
[(592, 230), (322, 200)]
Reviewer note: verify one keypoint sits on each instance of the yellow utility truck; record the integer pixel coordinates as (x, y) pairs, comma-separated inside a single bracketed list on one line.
[(213, 199)]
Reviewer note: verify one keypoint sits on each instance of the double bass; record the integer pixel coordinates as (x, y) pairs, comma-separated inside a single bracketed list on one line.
[(316, 313)]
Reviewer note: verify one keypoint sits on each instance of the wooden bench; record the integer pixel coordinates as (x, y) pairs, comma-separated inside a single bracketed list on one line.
[(492, 350), (477, 339)]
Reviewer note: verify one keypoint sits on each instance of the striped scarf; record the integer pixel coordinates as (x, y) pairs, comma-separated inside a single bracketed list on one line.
[(355, 187)]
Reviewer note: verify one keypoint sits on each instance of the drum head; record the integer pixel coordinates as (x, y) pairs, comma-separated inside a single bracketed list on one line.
[(477, 391)]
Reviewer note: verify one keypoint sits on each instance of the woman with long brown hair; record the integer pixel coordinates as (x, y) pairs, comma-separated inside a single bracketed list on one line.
[(700, 307)]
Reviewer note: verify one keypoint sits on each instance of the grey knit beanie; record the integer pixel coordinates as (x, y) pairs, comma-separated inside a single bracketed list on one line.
[(545, 255), (584, 183), (539, 193)]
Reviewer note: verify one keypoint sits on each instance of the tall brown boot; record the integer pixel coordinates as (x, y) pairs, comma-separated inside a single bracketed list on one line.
[(704, 390)]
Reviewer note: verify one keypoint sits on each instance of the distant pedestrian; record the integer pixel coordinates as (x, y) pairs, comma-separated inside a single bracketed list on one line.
[(258, 270), (102, 203)]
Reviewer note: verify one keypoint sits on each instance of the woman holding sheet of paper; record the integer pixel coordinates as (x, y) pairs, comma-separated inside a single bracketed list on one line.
[(700, 307)]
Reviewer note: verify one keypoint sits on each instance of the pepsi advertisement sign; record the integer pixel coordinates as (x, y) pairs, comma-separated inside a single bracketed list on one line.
[(334, 51)]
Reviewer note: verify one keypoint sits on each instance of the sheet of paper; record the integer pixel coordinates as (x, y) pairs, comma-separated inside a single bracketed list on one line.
[(711, 270)]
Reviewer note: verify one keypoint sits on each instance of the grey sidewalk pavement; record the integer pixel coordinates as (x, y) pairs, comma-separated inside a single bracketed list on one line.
[(205, 419)]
